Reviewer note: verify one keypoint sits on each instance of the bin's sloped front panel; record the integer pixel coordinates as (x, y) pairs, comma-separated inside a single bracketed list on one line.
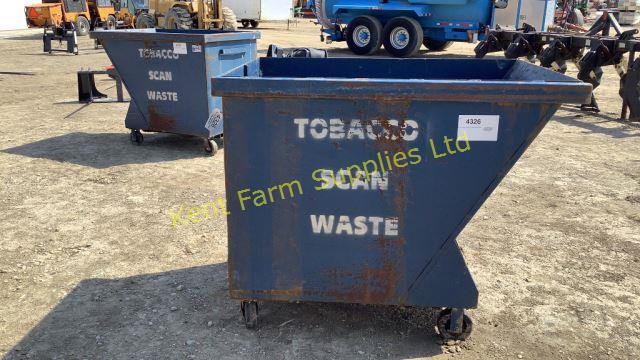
[(167, 72), (384, 235)]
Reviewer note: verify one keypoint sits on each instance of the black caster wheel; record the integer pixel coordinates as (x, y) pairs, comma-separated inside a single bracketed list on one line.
[(250, 313), (210, 147), (136, 137), (446, 330)]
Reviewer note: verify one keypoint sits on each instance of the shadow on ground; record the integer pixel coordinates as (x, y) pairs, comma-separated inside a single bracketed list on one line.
[(592, 123), (188, 314), (17, 73), (36, 36), (104, 150), (81, 52)]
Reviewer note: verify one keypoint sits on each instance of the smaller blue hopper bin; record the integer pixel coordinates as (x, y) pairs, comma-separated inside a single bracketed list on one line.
[(166, 73), (349, 179)]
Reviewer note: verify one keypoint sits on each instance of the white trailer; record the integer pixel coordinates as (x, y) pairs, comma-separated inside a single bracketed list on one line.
[(251, 12), (537, 13)]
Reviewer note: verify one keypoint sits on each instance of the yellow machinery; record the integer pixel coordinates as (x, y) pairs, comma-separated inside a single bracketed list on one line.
[(60, 14), (86, 15), (102, 13), (64, 20), (116, 14), (191, 14)]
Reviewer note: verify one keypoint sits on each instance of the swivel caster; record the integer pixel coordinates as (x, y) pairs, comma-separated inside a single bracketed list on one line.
[(454, 324), (592, 106), (210, 147), (249, 313), (136, 137)]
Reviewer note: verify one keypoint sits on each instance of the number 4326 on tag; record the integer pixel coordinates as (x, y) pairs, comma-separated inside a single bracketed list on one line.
[(478, 127)]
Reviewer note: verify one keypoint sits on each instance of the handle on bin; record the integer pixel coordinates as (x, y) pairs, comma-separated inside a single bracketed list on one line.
[(224, 52)]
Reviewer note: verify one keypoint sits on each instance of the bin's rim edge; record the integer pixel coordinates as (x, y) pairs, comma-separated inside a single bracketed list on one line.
[(127, 34), (556, 92)]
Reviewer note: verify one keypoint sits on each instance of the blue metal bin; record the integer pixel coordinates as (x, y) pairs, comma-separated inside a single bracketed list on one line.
[(166, 73), (348, 180)]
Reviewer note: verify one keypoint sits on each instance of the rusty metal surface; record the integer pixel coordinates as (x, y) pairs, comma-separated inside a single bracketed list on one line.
[(159, 122), (288, 123)]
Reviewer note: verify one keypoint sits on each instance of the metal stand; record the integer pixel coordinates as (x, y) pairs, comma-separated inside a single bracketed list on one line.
[(87, 91), (61, 34)]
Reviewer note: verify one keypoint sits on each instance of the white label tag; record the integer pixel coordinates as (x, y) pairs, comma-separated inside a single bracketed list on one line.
[(180, 48), (214, 120), (196, 48), (478, 127)]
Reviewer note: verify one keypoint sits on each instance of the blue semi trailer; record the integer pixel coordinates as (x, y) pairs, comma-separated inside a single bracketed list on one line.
[(402, 26)]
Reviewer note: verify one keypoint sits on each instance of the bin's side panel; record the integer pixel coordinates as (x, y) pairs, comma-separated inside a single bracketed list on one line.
[(302, 228), (251, 168), (165, 81), (222, 57), (519, 125)]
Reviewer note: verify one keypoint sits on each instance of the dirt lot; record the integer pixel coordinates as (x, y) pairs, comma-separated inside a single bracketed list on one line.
[(90, 266)]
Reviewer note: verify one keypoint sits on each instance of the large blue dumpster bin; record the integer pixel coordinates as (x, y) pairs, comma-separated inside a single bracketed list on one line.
[(166, 73), (348, 180)]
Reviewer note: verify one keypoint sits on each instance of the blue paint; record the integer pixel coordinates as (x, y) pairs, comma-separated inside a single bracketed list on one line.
[(274, 254), (207, 53), (459, 16)]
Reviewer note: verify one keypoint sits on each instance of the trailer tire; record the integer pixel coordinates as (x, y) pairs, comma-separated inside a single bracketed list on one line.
[(436, 45), (364, 35), (178, 18), (83, 26), (145, 21), (402, 36), (245, 23), (111, 23), (254, 23)]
